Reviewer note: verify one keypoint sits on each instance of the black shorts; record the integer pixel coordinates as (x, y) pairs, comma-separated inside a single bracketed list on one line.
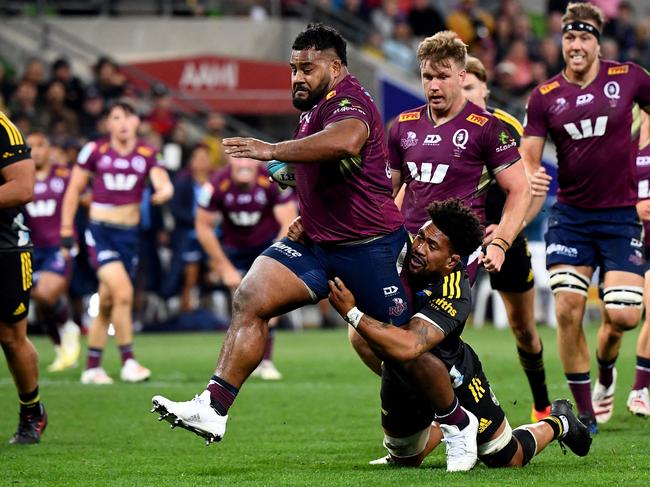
[(516, 274), (15, 284), (404, 411)]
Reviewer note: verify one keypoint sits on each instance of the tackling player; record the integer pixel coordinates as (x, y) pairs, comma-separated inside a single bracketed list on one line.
[(17, 177), (345, 198), (587, 112), (255, 214), (435, 269), (51, 270), (515, 280), (119, 167)]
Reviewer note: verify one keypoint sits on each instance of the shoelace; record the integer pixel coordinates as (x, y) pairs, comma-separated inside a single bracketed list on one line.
[(453, 448)]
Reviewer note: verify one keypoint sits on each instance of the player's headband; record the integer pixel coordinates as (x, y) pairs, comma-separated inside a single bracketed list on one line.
[(582, 26)]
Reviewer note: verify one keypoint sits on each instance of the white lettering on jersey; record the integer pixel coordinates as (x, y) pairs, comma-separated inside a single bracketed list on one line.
[(119, 182), (425, 174), (245, 218), (644, 189), (40, 208), (586, 129)]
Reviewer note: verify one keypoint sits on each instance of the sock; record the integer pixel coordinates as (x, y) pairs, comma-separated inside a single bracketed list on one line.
[(126, 352), (533, 365), (642, 376), (557, 425), (268, 346), (454, 414), (60, 312), (580, 385), (52, 331), (606, 371), (222, 394), (30, 403), (94, 358)]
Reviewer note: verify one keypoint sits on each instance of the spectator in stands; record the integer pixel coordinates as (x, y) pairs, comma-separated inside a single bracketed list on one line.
[(74, 90), (24, 103), (91, 114), (399, 48), (214, 126), (108, 79), (162, 117), (424, 19), (551, 56), (470, 22), (383, 19), (356, 8), (35, 73), (58, 111), (519, 57), (7, 86), (621, 28)]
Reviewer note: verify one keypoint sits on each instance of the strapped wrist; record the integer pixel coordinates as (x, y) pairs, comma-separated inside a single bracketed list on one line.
[(354, 316)]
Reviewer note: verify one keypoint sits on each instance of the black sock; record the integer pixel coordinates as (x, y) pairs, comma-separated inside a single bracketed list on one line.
[(533, 365), (30, 403), (556, 424)]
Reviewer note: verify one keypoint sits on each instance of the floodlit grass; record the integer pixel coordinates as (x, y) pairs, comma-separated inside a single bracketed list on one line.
[(319, 426)]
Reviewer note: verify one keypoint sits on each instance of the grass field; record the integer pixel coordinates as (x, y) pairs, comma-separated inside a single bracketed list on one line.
[(319, 426)]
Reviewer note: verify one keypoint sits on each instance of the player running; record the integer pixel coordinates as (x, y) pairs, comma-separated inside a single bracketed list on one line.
[(51, 270), (515, 280), (119, 168), (587, 112), (17, 177), (434, 268), (345, 198), (255, 214)]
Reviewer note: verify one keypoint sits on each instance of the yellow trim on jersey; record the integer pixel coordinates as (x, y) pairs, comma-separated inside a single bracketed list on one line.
[(509, 119), (451, 285), (14, 134), (26, 269)]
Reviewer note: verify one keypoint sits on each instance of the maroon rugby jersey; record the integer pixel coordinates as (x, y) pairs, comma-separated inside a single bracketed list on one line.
[(455, 159), (643, 173), (43, 213), (118, 179), (248, 220), (349, 199), (591, 129)]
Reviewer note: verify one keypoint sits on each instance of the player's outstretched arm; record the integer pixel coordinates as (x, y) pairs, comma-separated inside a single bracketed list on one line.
[(531, 150), (336, 141), (398, 343), (79, 179), (162, 186)]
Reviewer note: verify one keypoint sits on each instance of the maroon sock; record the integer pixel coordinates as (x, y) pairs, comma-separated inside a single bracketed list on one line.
[(126, 352), (60, 313), (454, 414), (94, 358), (580, 385), (222, 394), (268, 346), (606, 371), (642, 377)]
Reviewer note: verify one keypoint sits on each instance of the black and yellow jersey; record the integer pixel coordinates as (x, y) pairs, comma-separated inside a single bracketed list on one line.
[(496, 198), (13, 232)]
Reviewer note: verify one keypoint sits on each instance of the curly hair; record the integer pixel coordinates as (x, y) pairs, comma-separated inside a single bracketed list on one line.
[(459, 223), (441, 47), (322, 37)]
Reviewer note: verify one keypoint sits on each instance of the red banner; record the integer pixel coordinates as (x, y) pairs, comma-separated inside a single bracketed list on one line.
[(224, 84)]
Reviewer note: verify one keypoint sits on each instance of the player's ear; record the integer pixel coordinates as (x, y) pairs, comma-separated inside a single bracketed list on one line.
[(453, 261), (335, 66)]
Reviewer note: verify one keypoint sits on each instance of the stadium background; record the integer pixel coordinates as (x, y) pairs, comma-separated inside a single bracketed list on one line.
[(201, 70)]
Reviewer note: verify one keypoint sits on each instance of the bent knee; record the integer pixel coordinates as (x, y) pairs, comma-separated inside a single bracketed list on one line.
[(624, 319)]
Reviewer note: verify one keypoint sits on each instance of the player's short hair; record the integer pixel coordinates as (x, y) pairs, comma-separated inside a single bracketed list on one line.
[(322, 37), (441, 47), (475, 66), (587, 12), (123, 104), (459, 223)]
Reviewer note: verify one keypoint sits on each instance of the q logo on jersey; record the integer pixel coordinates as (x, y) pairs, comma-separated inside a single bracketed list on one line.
[(460, 138), (612, 90)]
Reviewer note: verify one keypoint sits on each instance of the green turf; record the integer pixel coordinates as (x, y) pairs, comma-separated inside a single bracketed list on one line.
[(319, 426)]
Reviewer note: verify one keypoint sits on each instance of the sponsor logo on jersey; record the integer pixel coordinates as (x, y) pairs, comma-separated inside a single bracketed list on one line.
[(643, 161), (410, 140), (399, 306), (286, 250), (584, 99), (504, 138), (614, 70), (145, 151), (477, 119), (432, 139), (559, 106), (405, 117), (547, 88), (7, 155), (612, 90), (345, 102), (483, 424), (330, 95), (444, 305), (390, 290)]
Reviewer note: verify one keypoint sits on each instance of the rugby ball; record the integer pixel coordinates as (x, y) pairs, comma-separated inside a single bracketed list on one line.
[(282, 173)]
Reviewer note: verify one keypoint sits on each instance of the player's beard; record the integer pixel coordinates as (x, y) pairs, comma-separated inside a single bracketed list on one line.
[(313, 97)]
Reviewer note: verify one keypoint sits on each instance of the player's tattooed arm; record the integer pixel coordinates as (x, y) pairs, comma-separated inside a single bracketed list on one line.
[(397, 343)]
